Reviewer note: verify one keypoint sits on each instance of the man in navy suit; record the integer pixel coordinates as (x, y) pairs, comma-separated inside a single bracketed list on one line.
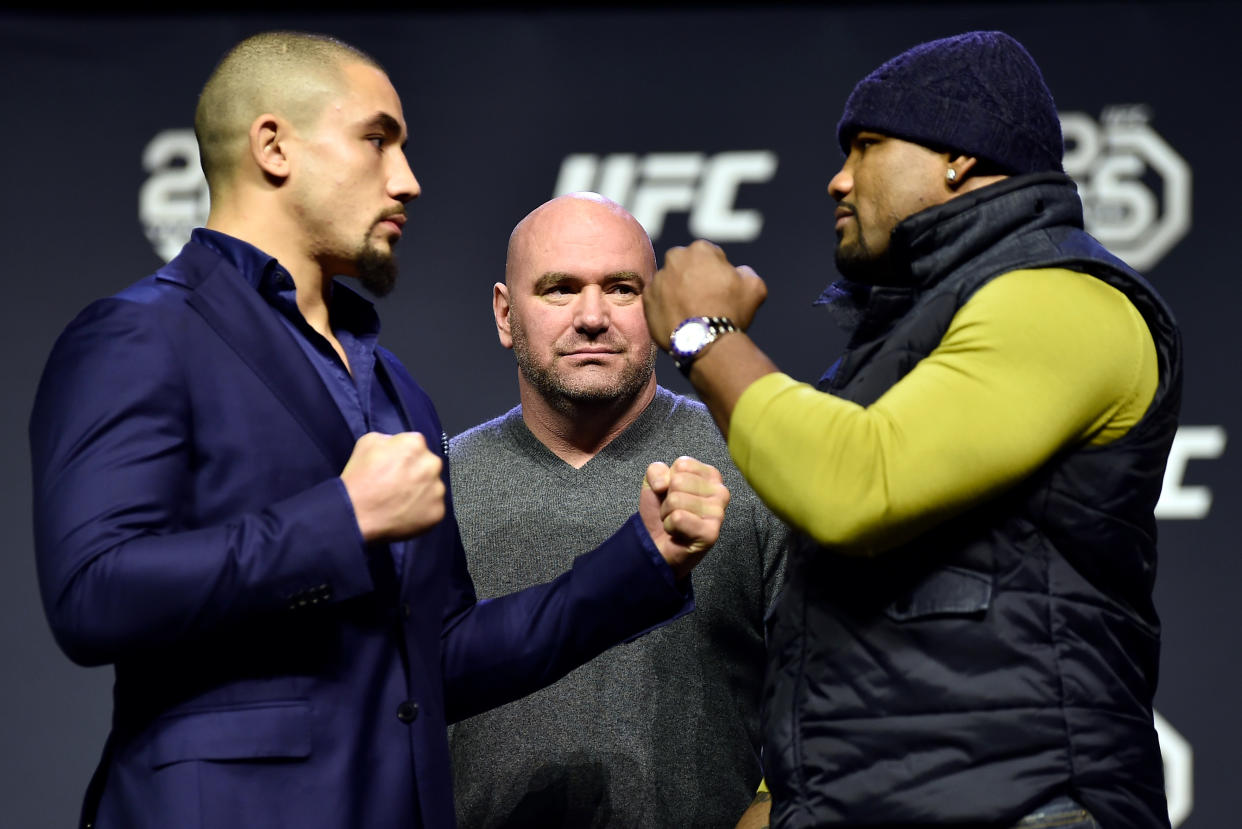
[(240, 500)]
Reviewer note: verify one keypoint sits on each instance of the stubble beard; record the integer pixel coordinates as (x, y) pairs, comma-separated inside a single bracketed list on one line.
[(858, 263), (377, 270), (569, 396)]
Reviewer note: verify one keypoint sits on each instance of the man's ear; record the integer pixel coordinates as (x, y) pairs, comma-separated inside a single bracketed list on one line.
[(268, 136), (500, 310), (960, 165)]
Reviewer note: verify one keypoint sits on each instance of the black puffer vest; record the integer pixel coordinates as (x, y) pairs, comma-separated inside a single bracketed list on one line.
[(1010, 654)]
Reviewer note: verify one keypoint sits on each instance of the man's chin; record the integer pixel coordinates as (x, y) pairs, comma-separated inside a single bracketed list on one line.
[(591, 386), (377, 271), (587, 386), (860, 266)]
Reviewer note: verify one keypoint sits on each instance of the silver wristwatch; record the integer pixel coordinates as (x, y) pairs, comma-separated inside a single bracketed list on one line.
[(693, 335)]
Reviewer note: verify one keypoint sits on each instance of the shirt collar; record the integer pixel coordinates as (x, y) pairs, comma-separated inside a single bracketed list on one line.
[(262, 272)]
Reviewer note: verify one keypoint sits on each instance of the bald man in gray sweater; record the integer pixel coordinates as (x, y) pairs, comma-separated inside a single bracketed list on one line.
[(664, 730)]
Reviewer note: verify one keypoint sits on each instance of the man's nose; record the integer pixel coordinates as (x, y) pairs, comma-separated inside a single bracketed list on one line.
[(840, 185), (592, 311), (402, 185)]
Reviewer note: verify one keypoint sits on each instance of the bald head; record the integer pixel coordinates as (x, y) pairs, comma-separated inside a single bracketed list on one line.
[(284, 73), (571, 309), (574, 219)]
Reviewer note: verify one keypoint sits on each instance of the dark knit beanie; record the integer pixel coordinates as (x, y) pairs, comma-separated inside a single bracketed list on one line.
[(979, 93)]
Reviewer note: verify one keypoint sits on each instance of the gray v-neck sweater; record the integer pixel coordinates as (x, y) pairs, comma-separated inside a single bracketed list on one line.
[(662, 731)]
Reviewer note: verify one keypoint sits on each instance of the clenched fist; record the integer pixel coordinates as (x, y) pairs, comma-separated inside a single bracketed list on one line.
[(682, 508), (395, 486), (699, 280)]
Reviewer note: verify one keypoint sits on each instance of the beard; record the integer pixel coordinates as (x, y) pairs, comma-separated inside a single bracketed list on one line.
[(568, 393), (377, 270), (858, 263)]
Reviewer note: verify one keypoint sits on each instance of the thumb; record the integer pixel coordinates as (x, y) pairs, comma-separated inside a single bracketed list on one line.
[(655, 485), (658, 478)]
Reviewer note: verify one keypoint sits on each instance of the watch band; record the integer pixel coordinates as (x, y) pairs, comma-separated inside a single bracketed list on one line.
[(715, 327)]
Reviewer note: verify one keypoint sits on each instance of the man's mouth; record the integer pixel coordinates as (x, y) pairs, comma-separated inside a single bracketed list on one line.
[(593, 351), (590, 351), (393, 223), (842, 213)]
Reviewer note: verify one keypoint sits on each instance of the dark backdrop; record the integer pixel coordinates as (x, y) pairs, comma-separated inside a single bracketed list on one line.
[(706, 122)]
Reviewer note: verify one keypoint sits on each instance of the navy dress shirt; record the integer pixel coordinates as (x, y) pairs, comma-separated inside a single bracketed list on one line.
[(360, 392)]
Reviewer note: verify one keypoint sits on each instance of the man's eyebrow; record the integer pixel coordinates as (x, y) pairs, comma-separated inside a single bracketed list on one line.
[(384, 122), (622, 276), (553, 278)]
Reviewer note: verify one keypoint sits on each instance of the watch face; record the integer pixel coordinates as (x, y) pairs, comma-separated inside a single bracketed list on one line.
[(690, 336)]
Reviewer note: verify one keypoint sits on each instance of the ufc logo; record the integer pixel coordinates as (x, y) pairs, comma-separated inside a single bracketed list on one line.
[(654, 185), (1177, 498)]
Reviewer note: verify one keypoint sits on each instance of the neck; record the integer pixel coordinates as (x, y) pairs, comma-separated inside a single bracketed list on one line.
[(577, 431), (937, 240), (312, 282)]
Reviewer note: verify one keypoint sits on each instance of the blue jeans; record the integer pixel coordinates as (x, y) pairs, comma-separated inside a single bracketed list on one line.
[(1062, 813)]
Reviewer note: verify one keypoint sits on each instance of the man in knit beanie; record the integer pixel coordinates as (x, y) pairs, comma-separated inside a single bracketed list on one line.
[(966, 636)]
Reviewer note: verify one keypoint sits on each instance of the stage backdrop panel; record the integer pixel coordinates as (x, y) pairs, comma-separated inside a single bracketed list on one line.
[(718, 124)]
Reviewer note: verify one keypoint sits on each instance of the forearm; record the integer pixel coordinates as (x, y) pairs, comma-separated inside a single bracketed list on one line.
[(109, 590), (724, 371), (831, 468), (1011, 384), (505, 648)]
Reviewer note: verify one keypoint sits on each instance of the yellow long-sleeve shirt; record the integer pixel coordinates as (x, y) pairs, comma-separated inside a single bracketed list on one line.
[(1035, 361)]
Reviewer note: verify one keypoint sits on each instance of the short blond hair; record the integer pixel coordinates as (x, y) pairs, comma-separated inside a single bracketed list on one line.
[(283, 72)]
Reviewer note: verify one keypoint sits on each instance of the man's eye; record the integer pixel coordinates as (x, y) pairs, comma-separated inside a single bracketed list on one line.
[(623, 288), (377, 141)]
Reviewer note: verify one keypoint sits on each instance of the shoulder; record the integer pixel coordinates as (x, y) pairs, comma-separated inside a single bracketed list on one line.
[(689, 429), (175, 280), (139, 337), (485, 437), (154, 302), (166, 287), (1039, 291), (687, 423), (1063, 312), (144, 317), (680, 406), (487, 456), (680, 409)]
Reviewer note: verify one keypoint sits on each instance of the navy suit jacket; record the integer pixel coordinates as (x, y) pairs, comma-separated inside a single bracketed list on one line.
[(271, 669)]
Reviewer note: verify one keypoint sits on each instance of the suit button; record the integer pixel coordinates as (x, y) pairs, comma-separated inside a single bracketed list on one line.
[(405, 609), (407, 712)]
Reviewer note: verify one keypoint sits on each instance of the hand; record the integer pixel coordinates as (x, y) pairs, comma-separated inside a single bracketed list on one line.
[(698, 281), (395, 486), (758, 814), (682, 508)]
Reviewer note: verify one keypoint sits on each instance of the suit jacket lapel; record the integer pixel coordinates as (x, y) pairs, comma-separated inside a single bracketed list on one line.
[(237, 313), (385, 376)]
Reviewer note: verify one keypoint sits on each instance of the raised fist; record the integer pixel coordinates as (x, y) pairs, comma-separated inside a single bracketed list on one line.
[(395, 486), (682, 507)]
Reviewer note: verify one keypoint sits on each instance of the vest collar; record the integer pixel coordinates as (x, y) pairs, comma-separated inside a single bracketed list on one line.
[(934, 242)]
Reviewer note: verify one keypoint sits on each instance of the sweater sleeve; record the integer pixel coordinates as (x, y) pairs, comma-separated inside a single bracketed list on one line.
[(1035, 361)]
